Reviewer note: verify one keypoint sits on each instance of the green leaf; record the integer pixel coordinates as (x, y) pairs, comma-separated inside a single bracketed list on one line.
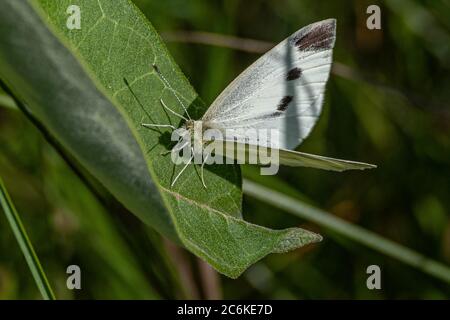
[(73, 82), (6, 101)]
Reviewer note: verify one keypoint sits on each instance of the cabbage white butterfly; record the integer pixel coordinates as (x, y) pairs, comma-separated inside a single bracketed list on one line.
[(282, 90)]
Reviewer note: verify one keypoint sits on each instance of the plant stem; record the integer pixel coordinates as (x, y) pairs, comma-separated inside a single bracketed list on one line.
[(351, 231), (25, 244)]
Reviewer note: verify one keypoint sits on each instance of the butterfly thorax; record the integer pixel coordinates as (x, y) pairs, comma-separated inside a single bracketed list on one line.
[(195, 129), (189, 125)]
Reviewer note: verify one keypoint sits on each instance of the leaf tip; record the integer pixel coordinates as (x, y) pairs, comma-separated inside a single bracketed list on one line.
[(295, 238)]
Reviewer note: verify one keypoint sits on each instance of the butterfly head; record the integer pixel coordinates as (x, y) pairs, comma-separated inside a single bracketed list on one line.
[(185, 131), (193, 129), (188, 125)]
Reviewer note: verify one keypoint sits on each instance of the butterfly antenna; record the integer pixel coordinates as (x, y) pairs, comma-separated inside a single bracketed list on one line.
[(163, 79)]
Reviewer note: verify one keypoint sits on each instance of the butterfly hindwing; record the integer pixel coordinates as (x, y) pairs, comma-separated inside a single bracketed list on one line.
[(288, 157)]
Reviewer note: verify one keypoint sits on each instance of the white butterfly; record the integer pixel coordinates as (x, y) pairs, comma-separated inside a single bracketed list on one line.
[(282, 90)]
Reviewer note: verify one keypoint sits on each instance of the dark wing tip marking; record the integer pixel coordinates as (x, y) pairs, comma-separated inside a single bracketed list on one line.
[(318, 36), (293, 74), (284, 103)]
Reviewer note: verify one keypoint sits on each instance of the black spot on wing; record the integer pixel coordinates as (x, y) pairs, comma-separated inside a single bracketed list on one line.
[(319, 37), (293, 74), (284, 103)]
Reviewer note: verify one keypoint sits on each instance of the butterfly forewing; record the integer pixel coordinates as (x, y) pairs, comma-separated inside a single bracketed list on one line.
[(282, 90)]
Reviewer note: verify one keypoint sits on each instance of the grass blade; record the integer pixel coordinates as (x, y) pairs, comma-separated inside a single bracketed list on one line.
[(351, 231), (25, 244)]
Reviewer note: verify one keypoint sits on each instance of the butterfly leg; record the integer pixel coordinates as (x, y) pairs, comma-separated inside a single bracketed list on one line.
[(151, 125), (171, 111), (182, 170), (201, 172)]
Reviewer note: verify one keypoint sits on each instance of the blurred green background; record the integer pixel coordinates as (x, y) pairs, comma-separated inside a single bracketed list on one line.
[(387, 103)]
